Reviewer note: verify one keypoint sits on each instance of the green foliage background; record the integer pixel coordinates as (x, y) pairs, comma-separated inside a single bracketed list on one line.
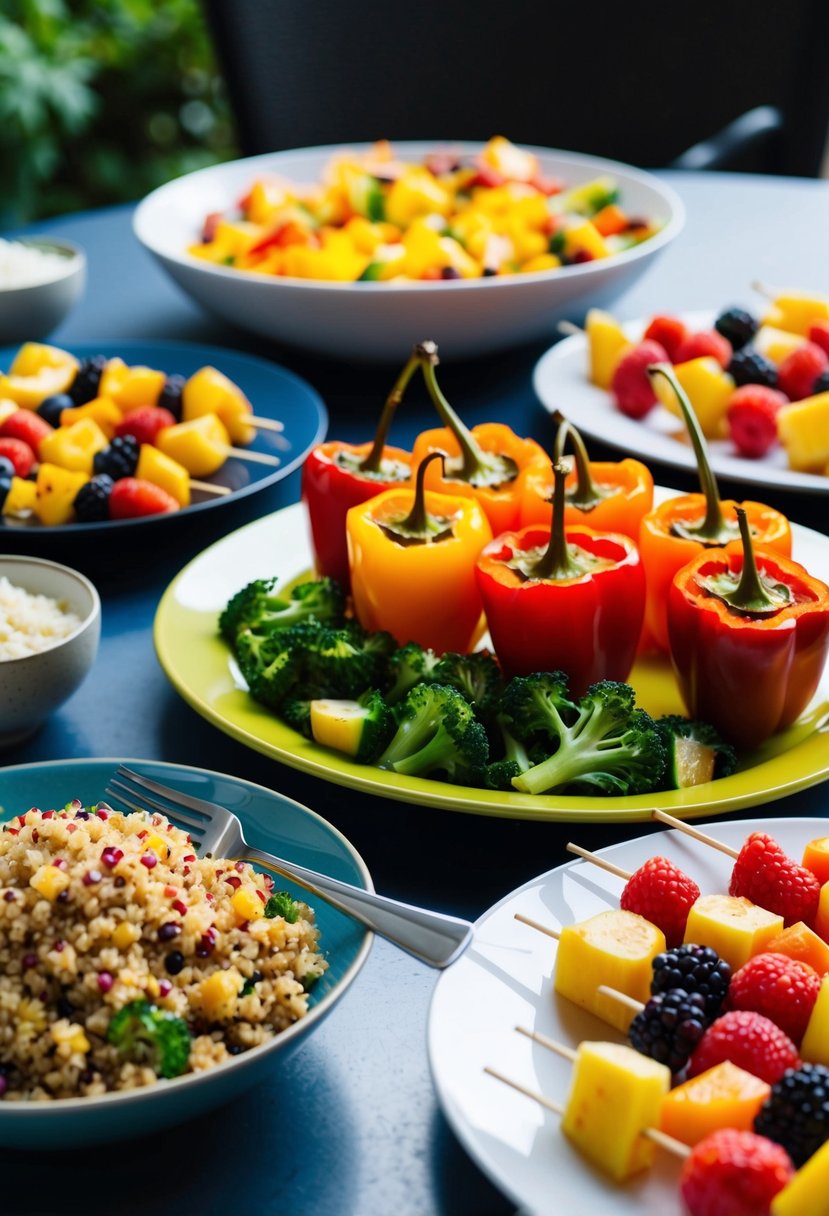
[(102, 100)]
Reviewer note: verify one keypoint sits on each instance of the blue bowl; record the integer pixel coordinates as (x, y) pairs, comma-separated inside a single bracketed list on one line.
[(272, 822)]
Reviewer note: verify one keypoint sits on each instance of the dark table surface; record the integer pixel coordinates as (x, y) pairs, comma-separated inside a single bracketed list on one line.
[(360, 1086)]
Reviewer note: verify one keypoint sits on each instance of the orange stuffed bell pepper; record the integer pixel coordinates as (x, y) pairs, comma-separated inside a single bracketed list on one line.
[(608, 495), (337, 476), (749, 634), (483, 463), (412, 556), (675, 531), (561, 599)]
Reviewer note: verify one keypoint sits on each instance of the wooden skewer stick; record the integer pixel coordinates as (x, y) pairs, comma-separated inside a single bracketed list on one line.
[(595, 860), (763, 289), (621, 997), (569, 328), (550, 1044), (651, 1133), (681, 826), (534, 924), (207, 487), (254, 457), (264, 424)]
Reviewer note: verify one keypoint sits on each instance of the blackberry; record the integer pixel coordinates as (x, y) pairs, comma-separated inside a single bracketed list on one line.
[(119, 459), (821, 384), (92, 499), (737, 325), (85, 385), (51, 408), (696, 969), (170, 396), (796, 1112), (748, 366), (669, 1027)]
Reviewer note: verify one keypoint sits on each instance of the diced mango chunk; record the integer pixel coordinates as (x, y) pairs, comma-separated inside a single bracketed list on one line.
[(815, 1044), (218, 995), (246, 904), (209, 391), (606, 343), (733, 925), (615, 948), (803, 428), (775, 343), (816, 858), (709, 390), (801, 942), (615, 1094), (807, 1193), (200, 444), (49, 881), (723, 1096)]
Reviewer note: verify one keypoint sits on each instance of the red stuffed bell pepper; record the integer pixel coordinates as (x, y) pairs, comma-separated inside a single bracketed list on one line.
[(337, 476), (561, 599), (749, 636)]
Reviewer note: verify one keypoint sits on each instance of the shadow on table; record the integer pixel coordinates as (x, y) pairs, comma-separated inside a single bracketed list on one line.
[(459, 1186)]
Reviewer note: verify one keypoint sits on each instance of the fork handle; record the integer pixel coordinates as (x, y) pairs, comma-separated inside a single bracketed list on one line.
[(432, 937)]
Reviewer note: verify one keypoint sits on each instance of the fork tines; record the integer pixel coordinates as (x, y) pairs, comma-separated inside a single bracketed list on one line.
[(189, 821)]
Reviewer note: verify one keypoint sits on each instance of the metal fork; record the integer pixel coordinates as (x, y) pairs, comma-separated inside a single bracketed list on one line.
[(432, 937)]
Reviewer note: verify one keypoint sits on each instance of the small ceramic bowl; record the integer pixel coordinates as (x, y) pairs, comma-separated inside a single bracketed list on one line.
[(30, 313), (34, 685)]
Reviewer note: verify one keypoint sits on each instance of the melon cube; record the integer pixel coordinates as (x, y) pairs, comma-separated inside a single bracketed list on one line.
[(615, 1095), (733, 925), (801, 942), (615, 948), (606, 343), (816, 858), (722, 1096)]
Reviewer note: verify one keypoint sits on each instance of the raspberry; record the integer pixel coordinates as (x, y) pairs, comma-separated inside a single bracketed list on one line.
[(765, 875), (630, 386), (819, 335), (132, 498), (750, 367), (797, 373), (705, 343), (19, 453), (796, 1112), (781, 988), (669, 1027), (668, 332), (737, 325), (749, 1040), (752, 419), (145, 422), (661, 893), (28, 426), (696, 969), (733, 1173)]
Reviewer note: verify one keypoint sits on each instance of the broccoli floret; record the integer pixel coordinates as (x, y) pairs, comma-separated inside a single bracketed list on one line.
[(409, 665), (515, 759), (500, 773), (360, 728), (296, 713), (283, 904), (341, 663), (270, 663), (437, 732), (695, 752), (257, 607), (147, 1035), (476, 676), (602, 742)]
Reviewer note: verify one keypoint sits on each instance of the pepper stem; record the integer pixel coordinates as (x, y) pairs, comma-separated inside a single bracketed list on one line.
[(371, 462), (713, 528), (751, 594), (584, 495), (477, 467), (417, 523), (556, 562)]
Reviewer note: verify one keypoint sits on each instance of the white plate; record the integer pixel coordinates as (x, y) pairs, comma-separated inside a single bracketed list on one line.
[(380, 321), (505, 980), (560, 380)]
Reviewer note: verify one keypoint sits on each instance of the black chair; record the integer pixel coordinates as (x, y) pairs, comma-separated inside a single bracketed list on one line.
[(713, 84)]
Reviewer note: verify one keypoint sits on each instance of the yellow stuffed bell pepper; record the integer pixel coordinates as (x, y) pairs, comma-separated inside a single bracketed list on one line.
[(412, 558)]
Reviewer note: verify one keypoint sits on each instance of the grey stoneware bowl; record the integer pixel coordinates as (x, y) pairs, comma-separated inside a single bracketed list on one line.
[(32, 686), (29, 313)]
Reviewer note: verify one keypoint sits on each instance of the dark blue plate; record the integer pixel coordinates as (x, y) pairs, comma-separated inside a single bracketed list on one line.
[(273, 393)]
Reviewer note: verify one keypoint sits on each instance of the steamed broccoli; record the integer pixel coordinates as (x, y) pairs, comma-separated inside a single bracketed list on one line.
[(344, 662), (601, 742), (476, 676), (270, 663), (146, 1034), (437, 732), (257, 607), (360, 728), (283, 904), (695, 752), (409, 665), (515, 759), (296, 713)]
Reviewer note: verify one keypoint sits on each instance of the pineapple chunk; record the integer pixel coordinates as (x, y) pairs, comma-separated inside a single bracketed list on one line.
[(803, 428), (815, 1045), (775, 343), (807, 1193), (709, 390), (209, 391), (165, 472), (49, 881), (733, 925), (615, 1094), (130, 387), (74, 447), (246, 904), (218, 995), (55, 492), (606, 343), (200, 445), (38, 371), (795, 311), (614, 948), (125, 934), (21, 497)]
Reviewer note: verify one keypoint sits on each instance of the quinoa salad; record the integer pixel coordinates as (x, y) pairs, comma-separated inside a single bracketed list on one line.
[(126, 959)]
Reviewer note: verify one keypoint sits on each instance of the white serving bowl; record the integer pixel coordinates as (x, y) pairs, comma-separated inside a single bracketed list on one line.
[(32, 686), (381, 321), (30, 313)]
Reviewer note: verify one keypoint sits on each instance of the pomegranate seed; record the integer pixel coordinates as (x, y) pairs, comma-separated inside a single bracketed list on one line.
[(111, 856), (209, 896), (141, 835), (9, 897), (149, 860), (29, 961), (105, 981), (240, 867), (91, 877), (261, 895), (35, 835), (180, 906), (189, 857), (59, 863), (234, 881), (164, 987), (13, 831), (71, 827), (169, 891), (59, 947), (101, 813), (46, 814)]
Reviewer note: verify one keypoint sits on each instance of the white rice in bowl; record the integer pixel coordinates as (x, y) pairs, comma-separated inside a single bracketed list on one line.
[(30, 623), (124, 958)]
